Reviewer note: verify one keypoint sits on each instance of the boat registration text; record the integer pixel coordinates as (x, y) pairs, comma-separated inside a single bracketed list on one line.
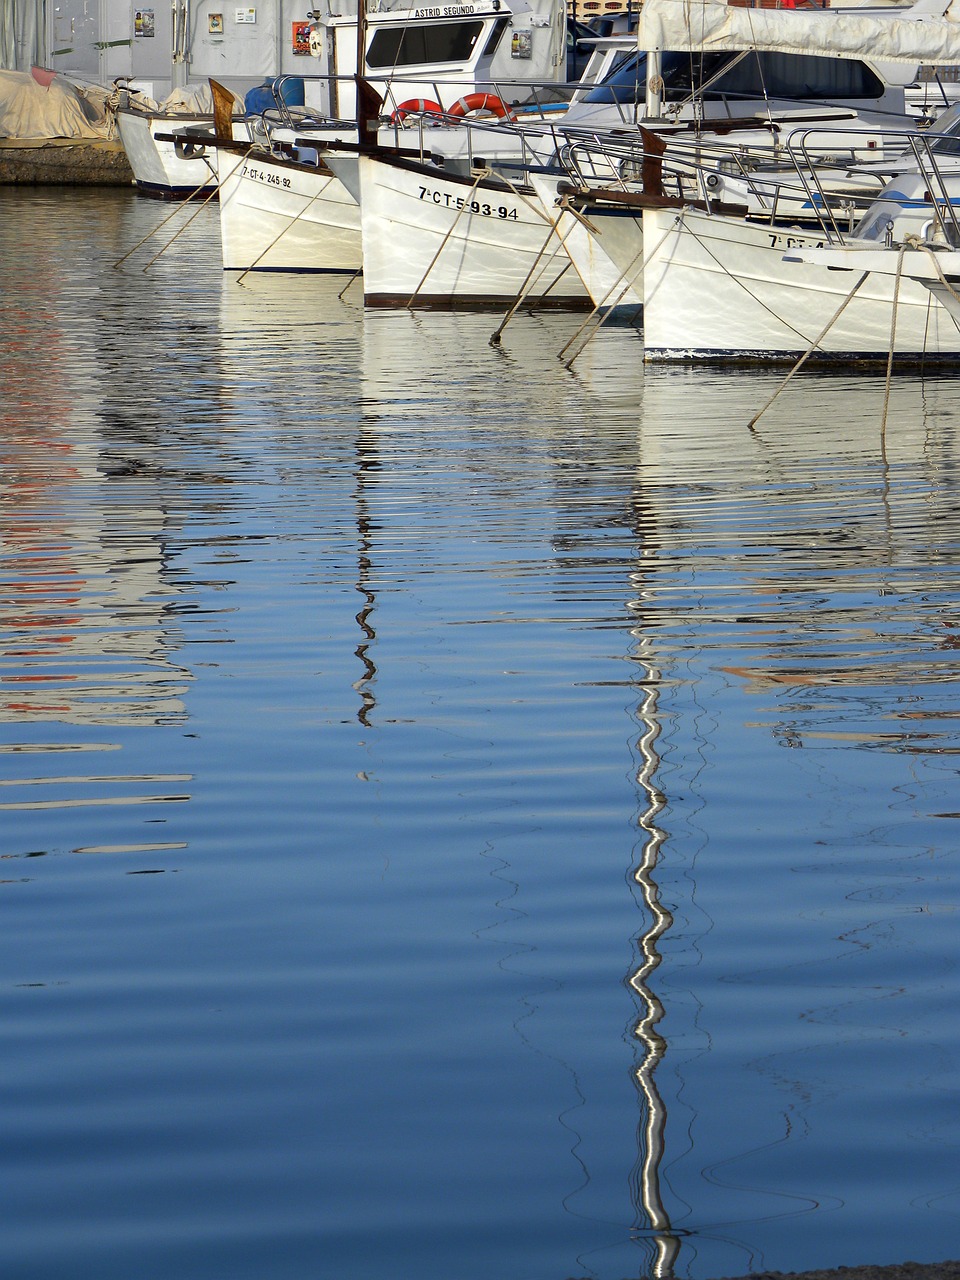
[(793, 242), (264, 175), (448, 201)]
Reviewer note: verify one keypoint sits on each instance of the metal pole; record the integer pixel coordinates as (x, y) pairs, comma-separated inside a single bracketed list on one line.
[(654, 87)]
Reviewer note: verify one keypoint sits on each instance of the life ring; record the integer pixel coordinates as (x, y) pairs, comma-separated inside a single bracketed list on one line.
[(422, 106), (480, 102)]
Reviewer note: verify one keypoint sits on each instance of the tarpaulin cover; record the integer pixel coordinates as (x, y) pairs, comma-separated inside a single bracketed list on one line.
[(928, 34), (60, 109)]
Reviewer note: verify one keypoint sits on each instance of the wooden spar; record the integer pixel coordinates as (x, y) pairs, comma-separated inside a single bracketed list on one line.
[(369, 103), (651, 169), (362, 126), (222, 111)]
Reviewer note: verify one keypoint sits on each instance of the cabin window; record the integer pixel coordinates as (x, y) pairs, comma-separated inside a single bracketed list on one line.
[(752, 75), (499, 27), (412, 45)]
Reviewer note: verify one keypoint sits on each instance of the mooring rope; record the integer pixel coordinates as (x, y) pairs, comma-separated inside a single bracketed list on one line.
[(893, 337), (810, 350)]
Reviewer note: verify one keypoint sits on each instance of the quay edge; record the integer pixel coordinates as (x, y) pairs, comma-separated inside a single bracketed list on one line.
[(949, 1270), (88, 162)]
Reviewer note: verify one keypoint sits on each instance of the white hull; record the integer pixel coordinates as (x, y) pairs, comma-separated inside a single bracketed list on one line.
[(432, 239), (277, 215), (718, 288), (603, 281), (157, 168)]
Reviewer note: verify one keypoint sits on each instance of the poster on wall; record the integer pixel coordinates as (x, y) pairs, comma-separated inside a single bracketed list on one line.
[(301, 37), (215, 24), (521, 46), (143, 24)]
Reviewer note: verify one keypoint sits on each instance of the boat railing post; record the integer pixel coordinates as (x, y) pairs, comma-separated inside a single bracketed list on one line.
[(812, 185), (942, 204), (571, 162), (760, 190)]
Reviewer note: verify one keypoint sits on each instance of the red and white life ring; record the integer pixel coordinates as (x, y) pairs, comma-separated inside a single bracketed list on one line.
[(420, 106), (480, 102)]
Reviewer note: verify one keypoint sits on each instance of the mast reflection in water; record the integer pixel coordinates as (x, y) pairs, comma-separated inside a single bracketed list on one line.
[(653, 1225), (367, 463)]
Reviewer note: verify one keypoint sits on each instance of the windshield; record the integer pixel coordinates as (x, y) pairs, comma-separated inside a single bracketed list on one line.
[(944, 133)]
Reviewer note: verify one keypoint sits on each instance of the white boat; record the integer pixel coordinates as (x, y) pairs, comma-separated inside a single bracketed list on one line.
[(169, 169), (433, 239), (718, 285), (718, 288), (713, 284), (281, 213), (316, 207), (607, 284), (436, 55)]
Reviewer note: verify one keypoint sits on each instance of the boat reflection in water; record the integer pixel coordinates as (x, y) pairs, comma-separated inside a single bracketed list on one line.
[(91, 637), (90, 620), (799, 589)]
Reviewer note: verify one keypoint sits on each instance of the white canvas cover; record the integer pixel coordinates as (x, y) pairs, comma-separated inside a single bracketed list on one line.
[(191, 100), (928, 34), (58, 109)]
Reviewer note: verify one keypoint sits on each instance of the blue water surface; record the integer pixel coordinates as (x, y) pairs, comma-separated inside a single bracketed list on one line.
[(459, 816)]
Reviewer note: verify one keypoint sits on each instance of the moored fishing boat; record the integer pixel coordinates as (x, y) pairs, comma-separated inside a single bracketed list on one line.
[(434, 239), (284, 212), (717, 288), (713, 279), (277, 214), (611, 95), (170, 146), (608, 285)]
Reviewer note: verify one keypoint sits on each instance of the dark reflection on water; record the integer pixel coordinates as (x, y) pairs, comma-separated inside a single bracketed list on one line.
[(459, 816)]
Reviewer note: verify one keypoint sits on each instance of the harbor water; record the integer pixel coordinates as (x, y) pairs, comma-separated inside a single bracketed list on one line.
[(460, 815)]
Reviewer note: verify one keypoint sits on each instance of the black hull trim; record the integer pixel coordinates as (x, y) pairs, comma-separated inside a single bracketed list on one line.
[(472, 302), (841, 361)]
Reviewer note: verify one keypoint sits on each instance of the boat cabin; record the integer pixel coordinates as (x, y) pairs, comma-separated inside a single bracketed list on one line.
[(435, 52)]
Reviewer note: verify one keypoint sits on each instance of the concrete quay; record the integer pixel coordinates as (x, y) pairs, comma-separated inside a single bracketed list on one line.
[(64, 162)]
